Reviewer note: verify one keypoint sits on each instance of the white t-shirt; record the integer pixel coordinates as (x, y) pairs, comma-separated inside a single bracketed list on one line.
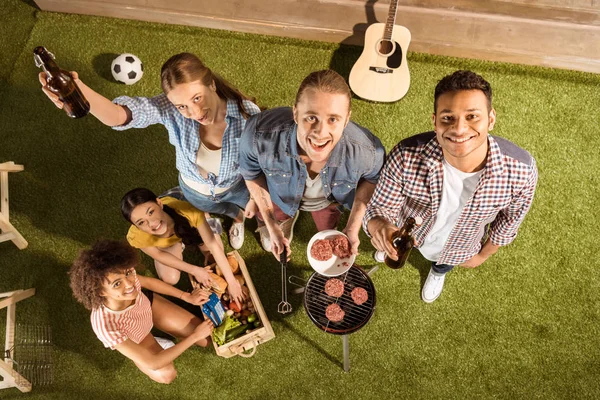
[(457, 189), (313, 198), (207, 161)]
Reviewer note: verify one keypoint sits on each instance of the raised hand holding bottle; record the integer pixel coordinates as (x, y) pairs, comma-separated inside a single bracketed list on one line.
[(62, 84)]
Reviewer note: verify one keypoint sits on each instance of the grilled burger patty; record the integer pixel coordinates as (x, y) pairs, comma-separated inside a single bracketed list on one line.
[(334, 287), (359, 295), (334, 313)]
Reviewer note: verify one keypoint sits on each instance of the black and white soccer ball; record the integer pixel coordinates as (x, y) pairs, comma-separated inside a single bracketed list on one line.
[(127, 68)]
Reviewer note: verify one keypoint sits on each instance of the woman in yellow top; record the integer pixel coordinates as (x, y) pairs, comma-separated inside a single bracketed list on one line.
[(161, 228)]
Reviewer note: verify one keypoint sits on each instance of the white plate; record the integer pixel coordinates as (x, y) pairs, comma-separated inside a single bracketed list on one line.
[(334, 266)]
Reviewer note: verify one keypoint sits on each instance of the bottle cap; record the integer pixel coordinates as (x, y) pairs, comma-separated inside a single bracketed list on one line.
[(379, 256), (418, 220)]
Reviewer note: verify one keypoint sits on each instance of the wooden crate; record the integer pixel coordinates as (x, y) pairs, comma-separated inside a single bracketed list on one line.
[(246, 345)]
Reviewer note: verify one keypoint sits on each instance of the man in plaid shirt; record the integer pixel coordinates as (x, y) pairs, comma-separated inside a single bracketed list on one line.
[(468, 187)]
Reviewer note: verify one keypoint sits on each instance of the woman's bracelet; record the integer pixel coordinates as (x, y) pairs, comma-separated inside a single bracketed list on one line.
[(182, 293)]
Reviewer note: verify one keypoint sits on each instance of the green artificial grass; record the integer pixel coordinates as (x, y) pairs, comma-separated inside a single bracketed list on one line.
[(524, 325)]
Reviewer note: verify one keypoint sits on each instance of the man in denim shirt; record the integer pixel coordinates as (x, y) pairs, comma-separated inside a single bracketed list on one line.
[(310, 158)]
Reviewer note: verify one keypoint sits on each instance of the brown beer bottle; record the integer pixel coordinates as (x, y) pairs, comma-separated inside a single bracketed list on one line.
[(62, 84), (403, 242)]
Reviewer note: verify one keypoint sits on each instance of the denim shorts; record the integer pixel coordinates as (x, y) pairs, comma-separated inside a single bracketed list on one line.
[(228, 203)]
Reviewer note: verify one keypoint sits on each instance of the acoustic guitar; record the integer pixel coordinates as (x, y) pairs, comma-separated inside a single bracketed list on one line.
[(381, 72)]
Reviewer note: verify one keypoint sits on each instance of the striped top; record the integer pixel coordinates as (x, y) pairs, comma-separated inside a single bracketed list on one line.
[(115, 327)]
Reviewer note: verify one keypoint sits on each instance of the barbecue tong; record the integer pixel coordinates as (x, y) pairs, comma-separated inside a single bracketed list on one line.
[(284, 307)]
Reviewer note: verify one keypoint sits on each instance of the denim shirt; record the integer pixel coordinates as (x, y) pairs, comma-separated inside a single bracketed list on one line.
[(269, 147)]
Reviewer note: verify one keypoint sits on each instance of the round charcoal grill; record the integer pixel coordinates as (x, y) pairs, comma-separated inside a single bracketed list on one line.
[(356, 316)]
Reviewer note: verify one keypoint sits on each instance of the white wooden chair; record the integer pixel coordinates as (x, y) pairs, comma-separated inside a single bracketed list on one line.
[(9, 232), (10, 377)]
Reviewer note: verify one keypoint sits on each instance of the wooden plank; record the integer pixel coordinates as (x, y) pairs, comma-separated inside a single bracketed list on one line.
[(7, 236), (453, 32), (4, 209), (5, 168), (574, 11), (7, 227), (10, 166), (13, 379), (9, 340), (17, 296)]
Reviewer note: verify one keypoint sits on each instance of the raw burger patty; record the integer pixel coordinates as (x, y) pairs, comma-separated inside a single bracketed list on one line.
[(334, 313), (359, 295), (334, 287), (321, 250), (341, 246)]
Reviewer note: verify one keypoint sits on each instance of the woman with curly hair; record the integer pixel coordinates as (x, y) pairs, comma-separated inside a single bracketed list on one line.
[(162, 227), (125, 307)]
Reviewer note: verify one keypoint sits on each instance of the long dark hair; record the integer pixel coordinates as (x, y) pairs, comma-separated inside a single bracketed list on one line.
[(187, 67), (187, 233)]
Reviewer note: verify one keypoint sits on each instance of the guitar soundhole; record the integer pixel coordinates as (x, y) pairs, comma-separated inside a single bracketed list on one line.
[(395, 59), (386, 47)]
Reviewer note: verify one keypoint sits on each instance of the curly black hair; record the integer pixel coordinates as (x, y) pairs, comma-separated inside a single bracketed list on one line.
[(189, 235), (91, 268), (463, 80)]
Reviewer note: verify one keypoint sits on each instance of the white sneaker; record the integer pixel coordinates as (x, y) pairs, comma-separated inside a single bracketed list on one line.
[(164, 343), (265, 238), (433, 286), (379, 256), (236, 235)]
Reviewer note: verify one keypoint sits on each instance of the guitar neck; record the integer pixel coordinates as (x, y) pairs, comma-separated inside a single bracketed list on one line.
[(391, 20)]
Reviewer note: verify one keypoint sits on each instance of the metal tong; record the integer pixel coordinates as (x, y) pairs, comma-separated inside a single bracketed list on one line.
[(284, 307)]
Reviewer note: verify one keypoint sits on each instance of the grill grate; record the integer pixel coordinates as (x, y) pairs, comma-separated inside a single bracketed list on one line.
[(356, 316)]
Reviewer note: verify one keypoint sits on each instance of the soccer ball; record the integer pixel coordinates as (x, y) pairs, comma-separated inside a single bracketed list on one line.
[(127, 69)]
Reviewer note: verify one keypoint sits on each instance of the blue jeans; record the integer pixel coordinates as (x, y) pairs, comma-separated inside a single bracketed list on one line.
[(441, 268), (228, 203)]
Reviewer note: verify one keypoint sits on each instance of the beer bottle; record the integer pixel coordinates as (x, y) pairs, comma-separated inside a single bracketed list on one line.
[(403, 242), (62, 84)]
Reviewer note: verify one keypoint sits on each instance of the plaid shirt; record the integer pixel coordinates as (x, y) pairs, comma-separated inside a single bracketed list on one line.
[(411, 185), (183, 134)]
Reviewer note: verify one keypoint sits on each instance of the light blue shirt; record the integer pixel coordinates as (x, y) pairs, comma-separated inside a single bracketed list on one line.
[(183, 135)]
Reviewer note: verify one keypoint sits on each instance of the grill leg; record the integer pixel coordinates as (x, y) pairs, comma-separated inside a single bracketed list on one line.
[(346, 353)]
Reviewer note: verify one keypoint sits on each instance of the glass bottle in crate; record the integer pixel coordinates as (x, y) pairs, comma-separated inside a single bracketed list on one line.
[(62, 84), (403, 242)]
